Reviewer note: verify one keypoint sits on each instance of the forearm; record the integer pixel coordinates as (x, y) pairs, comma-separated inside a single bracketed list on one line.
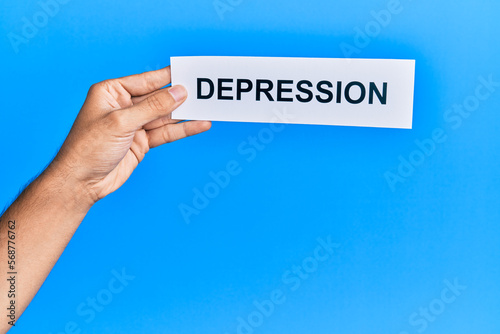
[(119, 122), (46, 215)]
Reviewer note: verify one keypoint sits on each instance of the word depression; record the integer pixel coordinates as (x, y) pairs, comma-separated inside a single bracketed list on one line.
[(324, 91)]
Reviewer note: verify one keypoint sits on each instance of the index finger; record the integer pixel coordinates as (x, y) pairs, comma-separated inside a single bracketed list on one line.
[(147, 82)]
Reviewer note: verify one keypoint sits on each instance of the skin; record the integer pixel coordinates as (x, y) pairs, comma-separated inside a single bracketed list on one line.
[(119, 122)]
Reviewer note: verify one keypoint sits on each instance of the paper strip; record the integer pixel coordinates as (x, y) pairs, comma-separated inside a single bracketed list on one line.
[(351, 92)]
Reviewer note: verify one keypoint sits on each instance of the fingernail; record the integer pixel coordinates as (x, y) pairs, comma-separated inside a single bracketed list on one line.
[(178, 93)]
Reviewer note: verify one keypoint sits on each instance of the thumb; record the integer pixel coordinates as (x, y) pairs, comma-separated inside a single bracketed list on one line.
[(155, 106)]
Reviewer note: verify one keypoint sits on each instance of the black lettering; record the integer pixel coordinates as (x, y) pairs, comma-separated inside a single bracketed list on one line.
[(211, 89), (264, 90), (282, 90), (304, 90), (324, 91), (221, 88), (240, 89), (339, 91), (381, 97), (348, 91)]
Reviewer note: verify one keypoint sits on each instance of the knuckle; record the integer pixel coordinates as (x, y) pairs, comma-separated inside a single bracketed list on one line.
[(141, 146), (117, 120), (98, 87), (150, 85), (94, 88), (145, 149), (159, 102), (166, 135)]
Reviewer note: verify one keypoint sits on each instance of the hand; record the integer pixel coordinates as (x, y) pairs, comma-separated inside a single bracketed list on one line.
[(119, 122)]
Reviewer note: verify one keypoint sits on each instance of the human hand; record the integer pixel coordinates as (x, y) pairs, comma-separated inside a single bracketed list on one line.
[(119, 122)]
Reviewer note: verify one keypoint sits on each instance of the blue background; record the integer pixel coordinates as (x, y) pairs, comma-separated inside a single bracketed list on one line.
[(396, 247)]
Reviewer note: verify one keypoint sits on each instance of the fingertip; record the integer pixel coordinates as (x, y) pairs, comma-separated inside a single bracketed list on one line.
[(178, 92), (206, 125)]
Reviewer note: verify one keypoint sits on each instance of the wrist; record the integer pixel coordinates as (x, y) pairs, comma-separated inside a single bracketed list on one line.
[(65, 187)]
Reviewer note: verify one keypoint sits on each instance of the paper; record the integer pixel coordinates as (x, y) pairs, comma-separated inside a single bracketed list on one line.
[(350, 92)]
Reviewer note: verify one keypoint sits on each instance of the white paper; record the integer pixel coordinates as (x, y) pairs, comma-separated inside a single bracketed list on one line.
[(389, 108)]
